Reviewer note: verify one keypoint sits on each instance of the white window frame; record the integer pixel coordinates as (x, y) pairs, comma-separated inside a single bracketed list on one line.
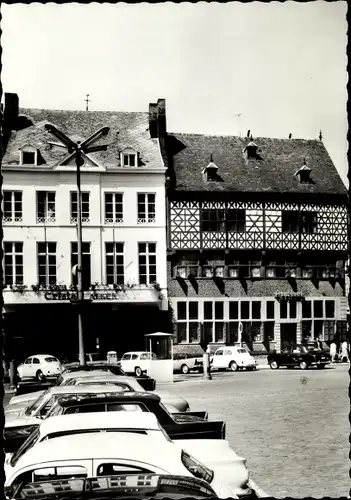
[(74, 201), (215, 320), (47, 254), (187, 321), (147, 254), (31, 151), (125, 158), (150, 216), (12, 195), (46, 218), (115, 202), (118, 261), (17, 278)]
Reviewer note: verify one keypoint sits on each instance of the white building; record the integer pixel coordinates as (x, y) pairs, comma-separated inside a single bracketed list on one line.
[(124, 229)]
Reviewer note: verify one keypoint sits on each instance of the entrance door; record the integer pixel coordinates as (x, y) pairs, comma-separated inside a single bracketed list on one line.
[(287, 334)]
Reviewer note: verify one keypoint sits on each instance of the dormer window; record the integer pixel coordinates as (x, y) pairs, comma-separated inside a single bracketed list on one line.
[(28, 156), (304, 174), (210, 172), (129, 158), (251, 150)]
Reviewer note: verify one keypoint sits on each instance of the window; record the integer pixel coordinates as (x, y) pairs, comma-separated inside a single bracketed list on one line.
[(114, 263), (290, 221), (255, 269), (13, 263), (113, 208), (318, 308), (188, 326), (28, 158), (207, 272), (212, 220), (12, 206), (129, 160), (270, 309), (245, 310), (147, 263), (86, 265), (233, 310), (219, 271), (287, 310), (214, 324), (45, 206), (309, 222), (84, 204), (47, 263), (256, 310), (236, 221), (283, 309), (329, 309), (329, 330), (307, 309), (270, 271), (233, 272), (146, 208)]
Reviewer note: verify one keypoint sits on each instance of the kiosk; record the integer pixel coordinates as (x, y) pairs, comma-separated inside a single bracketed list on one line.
[(161, 365)]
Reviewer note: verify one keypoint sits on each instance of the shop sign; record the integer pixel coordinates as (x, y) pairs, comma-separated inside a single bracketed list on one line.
[(62, 292)]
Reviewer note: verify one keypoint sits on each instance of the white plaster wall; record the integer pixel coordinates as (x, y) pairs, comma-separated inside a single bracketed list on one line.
[(95, 232)]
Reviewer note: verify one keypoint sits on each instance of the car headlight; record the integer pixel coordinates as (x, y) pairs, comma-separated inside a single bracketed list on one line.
[(196, 468)]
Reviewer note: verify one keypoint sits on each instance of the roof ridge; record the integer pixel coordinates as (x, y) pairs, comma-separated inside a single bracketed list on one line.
[(256, 138), (50, 110)]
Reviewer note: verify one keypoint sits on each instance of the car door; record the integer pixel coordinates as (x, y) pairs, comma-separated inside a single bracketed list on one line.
[(126, 363), (26, 367), (218, 359), (144, 361), (34, 367)]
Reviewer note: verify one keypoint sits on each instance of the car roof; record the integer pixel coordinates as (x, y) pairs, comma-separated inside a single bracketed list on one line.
[(123, 379), (72, 389), (105, 396), (124, 446), (41, 356), (114, 420), (83, 373), (137, 352)]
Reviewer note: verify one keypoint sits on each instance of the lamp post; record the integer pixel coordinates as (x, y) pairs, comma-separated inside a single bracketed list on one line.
[(78, 149)]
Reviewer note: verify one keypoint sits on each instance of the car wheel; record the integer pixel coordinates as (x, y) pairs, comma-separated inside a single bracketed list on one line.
[(40, 375), (303, 365), (233, 366), (184, 369), (274, 365), (138, 371)]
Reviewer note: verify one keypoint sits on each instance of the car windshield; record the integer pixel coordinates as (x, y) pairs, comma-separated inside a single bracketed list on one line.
[(37, 404), (51, 359)]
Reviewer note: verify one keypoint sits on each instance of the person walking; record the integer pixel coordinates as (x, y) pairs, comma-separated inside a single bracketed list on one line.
[(333, 351), (344, 352)]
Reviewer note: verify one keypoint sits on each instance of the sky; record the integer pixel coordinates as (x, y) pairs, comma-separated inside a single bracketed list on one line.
[(274, 68)]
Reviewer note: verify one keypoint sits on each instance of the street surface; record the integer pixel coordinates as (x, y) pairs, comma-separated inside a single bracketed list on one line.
[(292, 426)]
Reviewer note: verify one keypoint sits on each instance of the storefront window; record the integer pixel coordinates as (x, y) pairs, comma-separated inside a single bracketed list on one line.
[(219, 331), (181, 332), (306, 333), (256, 332), (194, 331), (318, 329), (256, 310), (269, 331), (329, 330), (208, 310), (329, 308), (232, 335), (181, 310)]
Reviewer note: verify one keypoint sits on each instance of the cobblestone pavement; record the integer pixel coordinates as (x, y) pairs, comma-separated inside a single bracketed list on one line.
[(292, 426)]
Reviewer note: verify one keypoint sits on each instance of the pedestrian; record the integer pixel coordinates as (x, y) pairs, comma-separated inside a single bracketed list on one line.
[(333, 351), (319, 344), (344, 352)]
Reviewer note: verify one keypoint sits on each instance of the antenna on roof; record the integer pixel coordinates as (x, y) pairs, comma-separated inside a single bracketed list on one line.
[(290, 135), (320, 135), (251, 138), (87, 100), (248, 133)]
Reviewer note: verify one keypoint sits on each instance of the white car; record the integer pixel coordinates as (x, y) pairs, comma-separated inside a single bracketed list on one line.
[(172, 402), (136, 362), (215, 454), (40, 366), (232, 358), (108, 453), (184, 363)]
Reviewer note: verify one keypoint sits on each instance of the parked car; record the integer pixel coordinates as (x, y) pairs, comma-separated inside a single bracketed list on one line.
[(232, 358), (102, 454), (136, 362), (187, 425), (101, 379), (185, 363), (298, 355), (158, 486), (145, 381), (214, 454), (40, 366)]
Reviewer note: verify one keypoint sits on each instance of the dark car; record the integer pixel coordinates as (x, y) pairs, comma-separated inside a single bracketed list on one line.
[(298, 355), (24, 387), (189, 425)]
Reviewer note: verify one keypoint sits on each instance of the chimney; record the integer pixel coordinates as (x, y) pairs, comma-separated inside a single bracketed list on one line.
[(248, 133), (10, 111), (161, 117), (153, 120), (290, 135)]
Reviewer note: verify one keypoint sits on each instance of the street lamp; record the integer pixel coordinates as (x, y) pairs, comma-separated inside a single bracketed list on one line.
[(76, 149)]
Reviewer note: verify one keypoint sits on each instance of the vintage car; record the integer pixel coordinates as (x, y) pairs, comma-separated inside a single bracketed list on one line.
[(39, 367), (158, 486), (102, 378), (102, 454), (214, 454), (233, 358), (185, 363), (188, 425), (298, 355), (136, 362)]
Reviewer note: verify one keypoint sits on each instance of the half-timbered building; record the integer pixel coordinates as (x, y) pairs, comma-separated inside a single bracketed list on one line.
[(257, 241)]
